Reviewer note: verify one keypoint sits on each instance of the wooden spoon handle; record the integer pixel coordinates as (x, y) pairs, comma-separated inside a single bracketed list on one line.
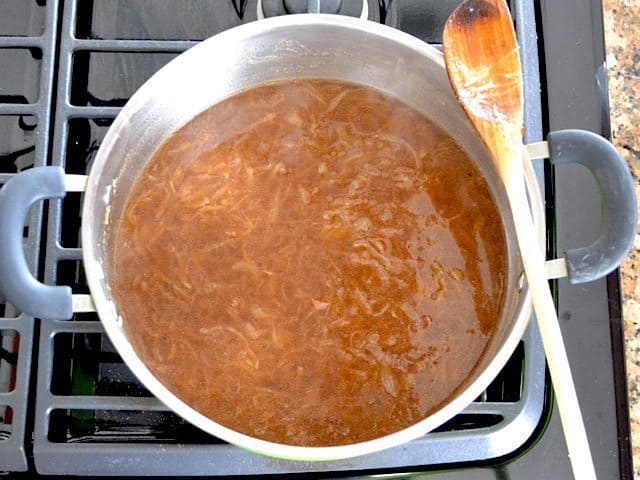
[(570, 415)]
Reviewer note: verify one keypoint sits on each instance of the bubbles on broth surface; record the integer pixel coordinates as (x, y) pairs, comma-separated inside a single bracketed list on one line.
[(310, 262)]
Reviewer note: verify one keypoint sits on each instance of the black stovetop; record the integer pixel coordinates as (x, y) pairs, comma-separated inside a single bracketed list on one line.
[(67, 66)]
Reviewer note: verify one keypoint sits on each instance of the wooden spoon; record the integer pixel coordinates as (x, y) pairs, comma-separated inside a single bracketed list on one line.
[(483, 64)]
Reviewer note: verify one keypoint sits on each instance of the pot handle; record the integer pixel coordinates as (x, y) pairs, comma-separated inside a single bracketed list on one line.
[(618, 199), (17, 284)]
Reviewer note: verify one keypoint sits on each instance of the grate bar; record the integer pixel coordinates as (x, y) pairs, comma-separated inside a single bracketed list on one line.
[(22, 42), (106, 403), (507, 410), (11, 323), (64, 326), (61, 253), (75, 111), (19, 109), (142, 46), (226, 459)]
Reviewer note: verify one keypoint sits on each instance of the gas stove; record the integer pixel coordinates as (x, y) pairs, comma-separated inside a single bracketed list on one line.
[(70, 406)]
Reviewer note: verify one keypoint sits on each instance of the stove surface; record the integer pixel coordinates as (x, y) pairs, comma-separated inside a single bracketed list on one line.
[(84, 413)]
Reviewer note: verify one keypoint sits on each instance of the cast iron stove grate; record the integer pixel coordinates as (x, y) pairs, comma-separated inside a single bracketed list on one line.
[(27, 41), (92, 417)]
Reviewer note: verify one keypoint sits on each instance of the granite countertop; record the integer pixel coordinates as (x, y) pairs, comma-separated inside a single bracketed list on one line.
[(622, 36)]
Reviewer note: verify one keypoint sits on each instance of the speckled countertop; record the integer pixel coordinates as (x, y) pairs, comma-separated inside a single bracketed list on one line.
[(622, 32)]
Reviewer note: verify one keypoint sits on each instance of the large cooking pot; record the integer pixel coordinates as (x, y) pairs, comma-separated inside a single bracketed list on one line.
[(295, 46)]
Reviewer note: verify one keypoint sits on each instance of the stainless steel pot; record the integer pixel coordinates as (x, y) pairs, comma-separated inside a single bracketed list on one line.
[(296, 46)]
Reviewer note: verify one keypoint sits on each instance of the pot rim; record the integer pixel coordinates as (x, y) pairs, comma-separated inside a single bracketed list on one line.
[(113, 323)]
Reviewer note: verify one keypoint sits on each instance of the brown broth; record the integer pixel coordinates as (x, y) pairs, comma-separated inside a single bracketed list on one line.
[(310, 262)]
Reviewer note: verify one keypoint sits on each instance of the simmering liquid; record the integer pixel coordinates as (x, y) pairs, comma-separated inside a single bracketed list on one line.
[(310, 262)]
